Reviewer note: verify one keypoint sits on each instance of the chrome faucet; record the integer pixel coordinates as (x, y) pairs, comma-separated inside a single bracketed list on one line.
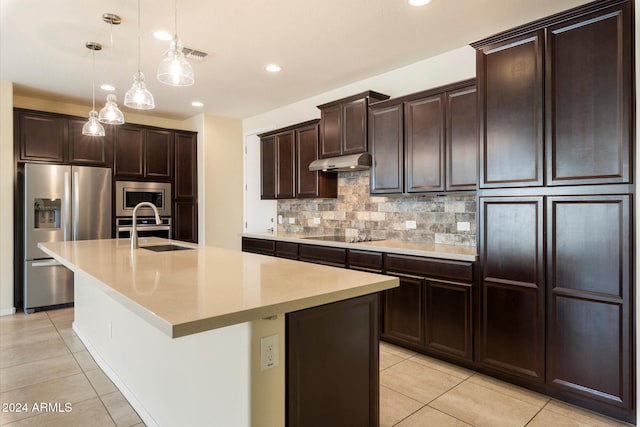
[(134, 232)]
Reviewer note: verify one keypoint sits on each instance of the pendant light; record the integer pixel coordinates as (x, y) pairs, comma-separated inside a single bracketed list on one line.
[(138, 96), (110, 113), (174, 70), (93, 126)]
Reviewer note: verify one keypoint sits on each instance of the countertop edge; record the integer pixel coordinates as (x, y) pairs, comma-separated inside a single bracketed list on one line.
[(371, 246)]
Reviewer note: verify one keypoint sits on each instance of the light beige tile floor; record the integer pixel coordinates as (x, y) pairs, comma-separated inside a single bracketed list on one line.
[(42, 361), (419, 391)]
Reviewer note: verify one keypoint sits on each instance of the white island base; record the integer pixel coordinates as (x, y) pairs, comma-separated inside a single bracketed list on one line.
[(204, 379)]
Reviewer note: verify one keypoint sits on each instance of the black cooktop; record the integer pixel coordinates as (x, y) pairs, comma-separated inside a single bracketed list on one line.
[(344, 239)]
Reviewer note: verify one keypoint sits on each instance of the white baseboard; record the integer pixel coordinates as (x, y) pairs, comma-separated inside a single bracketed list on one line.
[(133, 401), (8, 311)]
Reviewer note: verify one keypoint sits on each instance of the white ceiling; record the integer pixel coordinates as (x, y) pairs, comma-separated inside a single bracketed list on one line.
[(320, 44)]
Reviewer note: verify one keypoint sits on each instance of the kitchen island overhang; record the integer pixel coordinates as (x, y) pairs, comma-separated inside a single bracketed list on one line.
[(131, 304)]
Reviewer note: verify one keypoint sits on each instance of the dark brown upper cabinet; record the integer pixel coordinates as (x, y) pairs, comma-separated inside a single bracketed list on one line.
[(90, 150), (285, 155), (461, 139), (312, 183), (40, 136), (386, 135), (142, 152), (589, 93), (185, 189), (56, 138), (425, 142), (343, 124), (559, 86), (510, 91)]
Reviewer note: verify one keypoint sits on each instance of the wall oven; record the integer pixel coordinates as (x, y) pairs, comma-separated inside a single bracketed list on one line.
[(145, 227), (130, 193)]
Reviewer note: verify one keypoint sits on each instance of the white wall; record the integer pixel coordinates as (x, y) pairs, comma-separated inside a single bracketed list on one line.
[(6, 198), (452, 66)]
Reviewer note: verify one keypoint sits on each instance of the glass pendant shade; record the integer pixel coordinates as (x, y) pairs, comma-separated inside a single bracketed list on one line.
[(138, 96), (93, 126), (174, 70), (110, 113)]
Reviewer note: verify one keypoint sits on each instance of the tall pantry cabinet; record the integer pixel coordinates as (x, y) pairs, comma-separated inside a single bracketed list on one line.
[(555, 206)]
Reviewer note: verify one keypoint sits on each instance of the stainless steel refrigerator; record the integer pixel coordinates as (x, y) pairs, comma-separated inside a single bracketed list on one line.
[(61, 203)]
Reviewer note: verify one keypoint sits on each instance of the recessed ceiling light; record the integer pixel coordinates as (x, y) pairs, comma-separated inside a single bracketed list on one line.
[(108, 87), (197, 104), (273, 68), (162, 35), (418, 2)]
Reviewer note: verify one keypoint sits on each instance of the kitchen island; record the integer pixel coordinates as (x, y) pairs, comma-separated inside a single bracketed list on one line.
[(180, 332)]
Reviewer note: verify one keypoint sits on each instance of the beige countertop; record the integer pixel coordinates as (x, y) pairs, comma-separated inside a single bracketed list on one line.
[(432, 250), (190, 291)]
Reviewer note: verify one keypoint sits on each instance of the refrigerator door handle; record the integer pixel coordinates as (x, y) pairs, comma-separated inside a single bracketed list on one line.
[(67, 207), (52, 263), (74, 201)]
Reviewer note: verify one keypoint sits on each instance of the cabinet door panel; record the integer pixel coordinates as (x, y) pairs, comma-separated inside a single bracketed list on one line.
[(331, 131), (462, 139), (285, 166), (268, 167), (186, 166), (185, 221), (589, 303), (89, 150), (449, 327), (588, 99), (512, 327), (386, 134), (42, 137), (159, 145), (129, 151), (510, 87), (404, 312), (307, 151), (354, 122), (425, 145)]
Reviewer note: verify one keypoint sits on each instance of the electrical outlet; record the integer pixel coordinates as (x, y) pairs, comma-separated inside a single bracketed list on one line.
[(279, 219), (269, 352), (410, 225), (316, 220), (292, 220), (464, 226)]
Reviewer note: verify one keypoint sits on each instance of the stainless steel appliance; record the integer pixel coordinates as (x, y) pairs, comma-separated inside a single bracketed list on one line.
[(130, 193), (146, 227), (60, 203)]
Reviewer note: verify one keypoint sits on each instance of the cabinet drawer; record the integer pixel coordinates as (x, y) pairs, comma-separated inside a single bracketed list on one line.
[(287, 250), (336, 257), (258, 246), (365, 260), (429, 267)]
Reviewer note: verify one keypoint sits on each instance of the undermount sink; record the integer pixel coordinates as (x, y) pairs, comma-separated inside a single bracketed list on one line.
[(165, 248)]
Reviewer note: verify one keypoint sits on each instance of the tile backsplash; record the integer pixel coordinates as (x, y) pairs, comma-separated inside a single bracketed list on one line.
[(356, 212)]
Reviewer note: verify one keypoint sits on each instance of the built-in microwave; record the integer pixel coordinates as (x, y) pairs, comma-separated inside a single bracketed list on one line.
[(130, 193)]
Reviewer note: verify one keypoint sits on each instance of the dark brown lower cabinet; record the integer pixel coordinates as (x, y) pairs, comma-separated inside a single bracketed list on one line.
[(404, 313), (429, 312), (511, 327), (287, 250), (185, 221), (326, 255), (332, 364), (449, 328), (556, 309), (589, 303), (258, 246)]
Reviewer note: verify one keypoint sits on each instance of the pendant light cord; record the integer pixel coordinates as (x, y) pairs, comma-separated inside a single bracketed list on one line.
[(138, 36), (175, 19), (93, 82)]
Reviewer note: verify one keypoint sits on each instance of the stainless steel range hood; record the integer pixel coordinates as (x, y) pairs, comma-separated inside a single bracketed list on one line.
[(351, 162)]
